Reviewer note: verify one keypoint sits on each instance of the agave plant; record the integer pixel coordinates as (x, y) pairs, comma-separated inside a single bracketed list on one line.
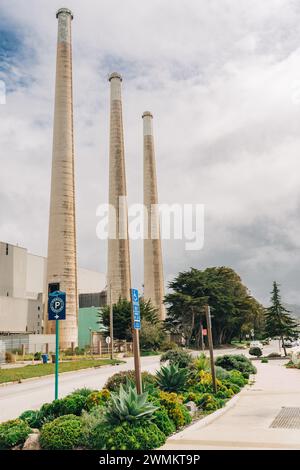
[(171, 378), (128, 405)]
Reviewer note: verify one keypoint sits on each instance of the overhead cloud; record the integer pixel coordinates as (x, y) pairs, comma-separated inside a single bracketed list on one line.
[(222, 79)]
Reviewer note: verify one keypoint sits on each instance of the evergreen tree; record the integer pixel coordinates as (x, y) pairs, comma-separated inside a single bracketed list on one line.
[(122, 317), (235, 312), (278, 321)]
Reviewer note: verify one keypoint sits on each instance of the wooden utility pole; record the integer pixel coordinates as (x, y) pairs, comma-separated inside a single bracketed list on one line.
[(136, 350), (111, 324), (211, 348)]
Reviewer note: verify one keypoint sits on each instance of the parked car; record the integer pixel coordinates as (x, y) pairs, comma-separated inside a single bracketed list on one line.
[(291, 344)]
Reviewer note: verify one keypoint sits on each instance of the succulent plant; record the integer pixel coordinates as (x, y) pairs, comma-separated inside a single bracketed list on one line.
[(128, 405), (171, 378)]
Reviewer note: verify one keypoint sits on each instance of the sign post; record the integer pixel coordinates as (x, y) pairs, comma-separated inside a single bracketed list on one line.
[(211, 348), (111, 323), (56, 312), (136, 326)]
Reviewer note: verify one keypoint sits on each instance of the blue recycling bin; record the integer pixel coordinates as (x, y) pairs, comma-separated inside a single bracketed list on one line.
[(45, 358)]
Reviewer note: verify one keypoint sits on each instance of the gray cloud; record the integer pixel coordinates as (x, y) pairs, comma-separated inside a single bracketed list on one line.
[(222, 79)]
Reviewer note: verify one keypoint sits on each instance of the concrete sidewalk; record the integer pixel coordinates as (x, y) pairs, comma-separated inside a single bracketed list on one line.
[(247, 424)]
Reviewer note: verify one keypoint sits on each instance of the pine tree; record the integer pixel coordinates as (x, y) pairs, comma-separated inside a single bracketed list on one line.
[(279, 322)]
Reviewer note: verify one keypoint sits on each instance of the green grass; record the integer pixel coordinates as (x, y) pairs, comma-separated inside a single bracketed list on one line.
[(26, 372)]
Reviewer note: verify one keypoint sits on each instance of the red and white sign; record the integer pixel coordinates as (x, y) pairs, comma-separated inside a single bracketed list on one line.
[(204, 332)]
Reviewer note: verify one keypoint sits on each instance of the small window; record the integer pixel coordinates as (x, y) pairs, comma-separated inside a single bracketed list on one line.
[(38, 315), (6, 249), (39, 308)]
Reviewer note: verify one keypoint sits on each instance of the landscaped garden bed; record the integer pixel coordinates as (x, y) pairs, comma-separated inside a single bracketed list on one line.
[(117, 418)]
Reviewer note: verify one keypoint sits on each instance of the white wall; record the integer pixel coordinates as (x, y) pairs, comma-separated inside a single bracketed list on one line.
[(13, 314), (35, 275)]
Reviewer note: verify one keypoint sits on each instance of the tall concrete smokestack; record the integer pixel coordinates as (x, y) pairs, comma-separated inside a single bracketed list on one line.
[(153, 266), (118, 266), (62, 260)]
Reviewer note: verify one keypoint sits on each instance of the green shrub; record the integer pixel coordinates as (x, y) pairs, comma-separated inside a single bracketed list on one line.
[(238, 362), (114, 382), (150, 353), (72, 404), (127, 436), (37, 356), (237, 378), (177, 412), (89, 421), (97, 399), (128, 405), (192, 396), (264, 360), (167, 345), (32, 418), (222, 374), (202, 362), (10, 358), (63, 433), (171, 378), (85, 392), (163, 422), (177, 356), (274, 354), (256, 351), (235, 388), (152, 335), (13, 433), (210, 403)]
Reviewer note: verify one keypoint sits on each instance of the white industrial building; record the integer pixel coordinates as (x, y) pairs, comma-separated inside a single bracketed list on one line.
[(23, 289)]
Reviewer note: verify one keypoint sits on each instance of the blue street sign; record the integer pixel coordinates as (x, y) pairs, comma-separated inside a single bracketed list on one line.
[(135, 296), (57, 306), (136, 309)]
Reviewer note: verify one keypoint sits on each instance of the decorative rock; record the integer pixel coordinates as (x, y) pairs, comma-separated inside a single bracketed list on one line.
[(192, 407), (32, 442)]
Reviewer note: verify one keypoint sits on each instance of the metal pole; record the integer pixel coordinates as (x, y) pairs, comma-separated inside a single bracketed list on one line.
[(111, 325), (56, 356), (136, 352), (211, 347)]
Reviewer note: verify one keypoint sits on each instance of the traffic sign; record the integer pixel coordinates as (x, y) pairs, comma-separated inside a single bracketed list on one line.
[(136, 326), (136, 309), (56, 311), (57, 306), (204, 332), (107, 339), (135, 296)]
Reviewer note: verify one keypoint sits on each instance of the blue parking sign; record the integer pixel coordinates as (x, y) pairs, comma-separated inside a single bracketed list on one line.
[(136, 309), (57, 306)]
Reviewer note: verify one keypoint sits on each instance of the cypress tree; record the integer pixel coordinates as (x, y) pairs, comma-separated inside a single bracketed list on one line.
[(279, 321)]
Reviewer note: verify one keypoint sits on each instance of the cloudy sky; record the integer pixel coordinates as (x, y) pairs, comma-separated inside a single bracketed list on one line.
[(222, 78)]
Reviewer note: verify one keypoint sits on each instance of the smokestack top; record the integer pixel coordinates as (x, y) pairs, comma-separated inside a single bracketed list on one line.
[(147, 113), (64, 10), (115, 75)]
